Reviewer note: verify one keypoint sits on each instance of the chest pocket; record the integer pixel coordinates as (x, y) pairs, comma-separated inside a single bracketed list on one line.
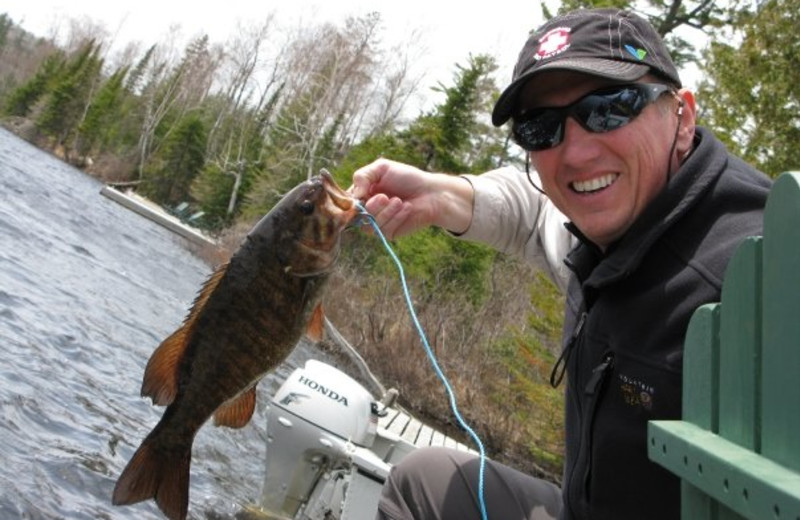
[(645, 389), (634, 392)]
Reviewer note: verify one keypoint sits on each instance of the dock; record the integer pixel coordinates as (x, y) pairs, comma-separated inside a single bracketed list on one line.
[(157, 214)]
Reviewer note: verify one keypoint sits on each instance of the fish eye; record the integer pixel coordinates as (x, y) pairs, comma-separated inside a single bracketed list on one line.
[(307, 207)]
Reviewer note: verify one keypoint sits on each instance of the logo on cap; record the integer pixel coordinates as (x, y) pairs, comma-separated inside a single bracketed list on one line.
[(639, 54), (555, 41)]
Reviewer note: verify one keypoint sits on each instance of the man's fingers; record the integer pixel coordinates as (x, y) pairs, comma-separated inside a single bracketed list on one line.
[(366, 176), (390, 214), (383, 208)]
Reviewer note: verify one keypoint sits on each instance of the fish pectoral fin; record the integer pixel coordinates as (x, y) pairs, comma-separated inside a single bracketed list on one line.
[(236, 412), (160, 381), (316, 325)]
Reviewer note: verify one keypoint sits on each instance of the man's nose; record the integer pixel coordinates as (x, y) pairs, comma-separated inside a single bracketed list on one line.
[(578, 145)]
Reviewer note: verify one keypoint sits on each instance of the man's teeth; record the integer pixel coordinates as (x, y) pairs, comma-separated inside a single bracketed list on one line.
[(594, 184)]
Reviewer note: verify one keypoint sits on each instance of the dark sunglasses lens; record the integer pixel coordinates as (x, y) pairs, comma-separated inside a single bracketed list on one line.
[(541, 130), (603, 112)]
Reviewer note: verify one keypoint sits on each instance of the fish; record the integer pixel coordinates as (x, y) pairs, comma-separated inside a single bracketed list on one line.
[(245, 320)]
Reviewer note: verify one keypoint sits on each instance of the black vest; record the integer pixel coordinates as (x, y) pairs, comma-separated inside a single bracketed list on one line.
[(626, 319)]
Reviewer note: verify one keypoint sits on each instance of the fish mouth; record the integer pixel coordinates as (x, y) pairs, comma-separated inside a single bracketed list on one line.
[(342, 200)]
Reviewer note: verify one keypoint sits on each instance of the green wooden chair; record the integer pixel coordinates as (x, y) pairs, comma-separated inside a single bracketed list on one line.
[(737, 450)]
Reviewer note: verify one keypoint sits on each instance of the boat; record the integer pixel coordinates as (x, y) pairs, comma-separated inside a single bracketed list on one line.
[(331, 445)]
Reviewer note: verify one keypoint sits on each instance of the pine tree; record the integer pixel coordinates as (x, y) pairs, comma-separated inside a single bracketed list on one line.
[(751, 92), (230, 172), (452, 137), (22, 100), (102, 117), (169, 176), (457, 118), (68, 98), (5, 27), (171, 92), (212, 192), (134, 79)]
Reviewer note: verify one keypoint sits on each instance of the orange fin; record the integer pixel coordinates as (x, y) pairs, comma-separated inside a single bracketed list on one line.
[(236, 412), (160, 381), (163, 476), (316, 325)]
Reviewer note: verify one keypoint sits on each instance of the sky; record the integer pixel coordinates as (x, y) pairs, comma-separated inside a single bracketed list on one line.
[(445, 31)]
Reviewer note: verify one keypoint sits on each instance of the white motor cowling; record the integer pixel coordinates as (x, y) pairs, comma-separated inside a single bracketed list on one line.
[(317, 422), (331, 400)]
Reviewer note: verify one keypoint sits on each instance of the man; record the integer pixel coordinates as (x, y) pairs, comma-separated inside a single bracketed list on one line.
[(654, 207)]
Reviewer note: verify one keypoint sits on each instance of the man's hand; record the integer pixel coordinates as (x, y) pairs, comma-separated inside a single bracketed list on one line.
[(404, 199)]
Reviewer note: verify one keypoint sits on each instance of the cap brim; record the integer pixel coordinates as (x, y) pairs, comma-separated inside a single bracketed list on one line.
[(611, 69)]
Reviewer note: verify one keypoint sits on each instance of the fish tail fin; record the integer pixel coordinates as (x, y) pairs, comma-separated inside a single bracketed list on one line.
[(161, 475)]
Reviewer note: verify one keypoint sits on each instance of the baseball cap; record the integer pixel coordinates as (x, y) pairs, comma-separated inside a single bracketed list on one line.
[(609, 43)]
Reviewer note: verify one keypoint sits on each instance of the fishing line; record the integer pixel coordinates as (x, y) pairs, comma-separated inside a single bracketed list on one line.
[(432, 358)]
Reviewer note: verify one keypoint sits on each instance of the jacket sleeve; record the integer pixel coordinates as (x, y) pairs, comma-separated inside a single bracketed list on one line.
[(512, 217)]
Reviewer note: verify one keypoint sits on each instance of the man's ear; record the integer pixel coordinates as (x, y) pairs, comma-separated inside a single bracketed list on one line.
[(687, 115)]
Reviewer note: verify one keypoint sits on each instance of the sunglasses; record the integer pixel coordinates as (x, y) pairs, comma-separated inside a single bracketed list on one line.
[(599, 111)]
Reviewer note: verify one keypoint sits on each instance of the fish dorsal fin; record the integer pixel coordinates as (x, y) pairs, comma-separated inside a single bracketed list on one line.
[(160, 381), (316, 325), (205, 293), (236, 412)]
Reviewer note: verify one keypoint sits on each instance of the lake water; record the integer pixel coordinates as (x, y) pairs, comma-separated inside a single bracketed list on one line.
[(88, 289)]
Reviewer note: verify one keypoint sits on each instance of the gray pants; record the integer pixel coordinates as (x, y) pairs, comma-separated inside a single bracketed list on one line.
[(442, 484)]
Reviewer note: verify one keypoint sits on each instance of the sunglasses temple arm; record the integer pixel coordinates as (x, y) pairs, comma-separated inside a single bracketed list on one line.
[(528, 174)]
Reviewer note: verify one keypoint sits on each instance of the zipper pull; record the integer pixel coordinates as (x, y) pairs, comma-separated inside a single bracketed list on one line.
[(557, 374), (599, 373)]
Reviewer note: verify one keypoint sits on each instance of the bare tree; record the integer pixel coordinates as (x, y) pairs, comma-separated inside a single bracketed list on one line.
[(343, 85), (393, 87), (251, 79), (243, 55)]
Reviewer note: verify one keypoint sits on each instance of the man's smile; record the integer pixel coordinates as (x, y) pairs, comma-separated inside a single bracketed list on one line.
[(595, 184)]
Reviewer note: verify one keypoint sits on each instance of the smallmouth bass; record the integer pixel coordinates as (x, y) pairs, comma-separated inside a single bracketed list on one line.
[(246, 319)]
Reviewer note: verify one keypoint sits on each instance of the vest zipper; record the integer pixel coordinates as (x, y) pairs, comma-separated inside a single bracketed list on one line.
[(594, 388), (556, 376)]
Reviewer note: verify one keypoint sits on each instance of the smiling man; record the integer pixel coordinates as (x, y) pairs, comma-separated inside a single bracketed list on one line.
[(603, 180), (634, 212)]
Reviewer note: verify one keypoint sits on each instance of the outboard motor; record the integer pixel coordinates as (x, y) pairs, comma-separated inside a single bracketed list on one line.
[(320, 426)]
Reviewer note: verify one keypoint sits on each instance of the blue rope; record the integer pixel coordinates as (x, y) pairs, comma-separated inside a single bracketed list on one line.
[(432, 358)]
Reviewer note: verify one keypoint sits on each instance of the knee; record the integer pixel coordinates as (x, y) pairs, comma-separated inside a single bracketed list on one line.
[(416, 486), (426, 464)]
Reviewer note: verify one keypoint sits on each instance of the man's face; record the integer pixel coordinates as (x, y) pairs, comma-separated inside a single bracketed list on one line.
[(601, 182)]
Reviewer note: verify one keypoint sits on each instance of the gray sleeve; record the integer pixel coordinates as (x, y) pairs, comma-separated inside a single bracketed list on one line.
[(512, 217)]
